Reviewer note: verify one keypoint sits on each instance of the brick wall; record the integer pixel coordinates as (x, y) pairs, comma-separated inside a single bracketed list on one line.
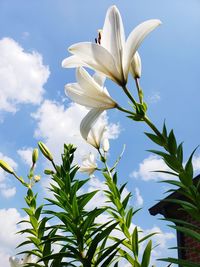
[(190, 243)]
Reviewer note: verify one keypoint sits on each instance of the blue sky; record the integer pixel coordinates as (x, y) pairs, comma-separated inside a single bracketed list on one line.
[(33, 41)]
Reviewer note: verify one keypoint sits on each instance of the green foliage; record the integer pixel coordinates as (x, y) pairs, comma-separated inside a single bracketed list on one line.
[(187, 189), (121, 213), (82, 240), (36, 230)]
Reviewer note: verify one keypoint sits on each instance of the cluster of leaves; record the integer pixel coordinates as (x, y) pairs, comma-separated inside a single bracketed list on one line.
[(82, 241), (188, 189), (123, 215), (35, 231)]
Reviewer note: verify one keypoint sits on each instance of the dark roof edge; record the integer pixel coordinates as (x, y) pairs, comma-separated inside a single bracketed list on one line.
[(161, 206)]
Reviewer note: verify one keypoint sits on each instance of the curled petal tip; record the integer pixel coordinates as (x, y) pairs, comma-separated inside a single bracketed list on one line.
[(63, 63), (156, 21), (160, 22), (113, 8)]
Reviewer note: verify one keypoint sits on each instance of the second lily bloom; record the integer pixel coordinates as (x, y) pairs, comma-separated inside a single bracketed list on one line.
[(89, 92)]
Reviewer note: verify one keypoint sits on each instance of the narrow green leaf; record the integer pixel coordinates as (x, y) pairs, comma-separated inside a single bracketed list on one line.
[(189, 232), (146, 255), (171, 142), (112, 250), (135, 243), (97, 239), (129, 216), (156, 139), (180, 153), (126, 200), (109, 259), (164, 131), (181, 262)]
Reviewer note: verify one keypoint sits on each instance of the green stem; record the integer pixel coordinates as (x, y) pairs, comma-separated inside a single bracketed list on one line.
[(153, 127), (139, 90), (54, 165), (124, 110), (127, 92)]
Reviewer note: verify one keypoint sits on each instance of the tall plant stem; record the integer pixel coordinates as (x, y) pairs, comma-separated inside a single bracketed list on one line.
[(152, 126)]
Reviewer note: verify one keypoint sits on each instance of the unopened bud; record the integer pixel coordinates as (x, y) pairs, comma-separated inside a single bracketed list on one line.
[(37, 178), (48, 172), (45, 151), (4, 165), (105, 145), (136, 66), (35, 155)]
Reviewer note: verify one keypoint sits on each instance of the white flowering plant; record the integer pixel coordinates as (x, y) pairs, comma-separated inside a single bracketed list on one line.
[(81, 236)]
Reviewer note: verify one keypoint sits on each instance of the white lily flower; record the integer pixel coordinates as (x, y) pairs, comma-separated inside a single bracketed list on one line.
[(136, 66), (88, 91), (113, 56), (15, 262), (88, 164)]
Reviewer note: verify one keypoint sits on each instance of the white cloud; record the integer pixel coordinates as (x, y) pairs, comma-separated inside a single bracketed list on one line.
[(5, 189), (4, 259), (58, 125), (154, 98), (8, 237), (99, 199), (148, 167), (152, 163), (196, 164), (22, 76), (164, 240), (138, 198), (26, 155)]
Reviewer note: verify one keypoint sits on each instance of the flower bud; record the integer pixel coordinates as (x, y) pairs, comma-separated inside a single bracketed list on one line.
[(35, 155), (45, 151), (136, 66), (48, 172), (37, 178), (105, 145), (6, 167)]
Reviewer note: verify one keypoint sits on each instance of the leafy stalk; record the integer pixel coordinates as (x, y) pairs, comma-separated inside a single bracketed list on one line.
[(123, 215), (173, 158), (82, 240)]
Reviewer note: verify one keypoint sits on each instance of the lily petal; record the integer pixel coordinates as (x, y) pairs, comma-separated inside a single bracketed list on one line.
[(88, 92), (134, 40), (96, 134), (73, 62), (99, 78), (14, 262), (88, 164), (75, 92), (88, 121), (97, 58), (113, 37)]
